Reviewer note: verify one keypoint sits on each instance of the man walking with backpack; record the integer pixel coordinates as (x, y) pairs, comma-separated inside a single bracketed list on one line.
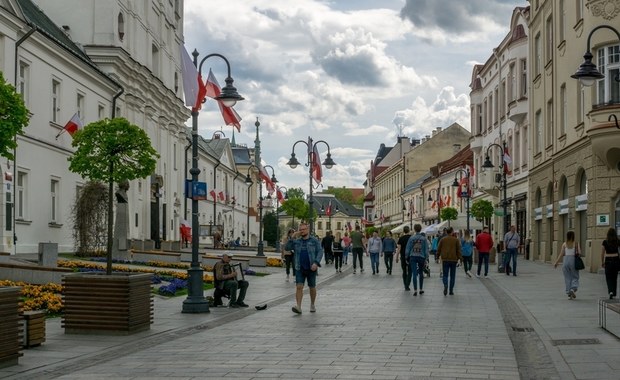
[(417, 254)]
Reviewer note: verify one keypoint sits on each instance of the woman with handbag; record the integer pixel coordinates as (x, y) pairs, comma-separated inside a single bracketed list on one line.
[(570, 252), (611, 261)]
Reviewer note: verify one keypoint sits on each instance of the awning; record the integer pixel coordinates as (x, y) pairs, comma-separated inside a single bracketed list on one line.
[(399, 229), (430, 230), (461, 223)]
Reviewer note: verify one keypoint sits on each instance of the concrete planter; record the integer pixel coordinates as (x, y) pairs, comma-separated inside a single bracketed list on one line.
[(95, 303), (9, 325)]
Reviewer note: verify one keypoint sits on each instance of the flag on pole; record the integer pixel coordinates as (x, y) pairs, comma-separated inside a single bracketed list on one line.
[(213, 89), (317, 173), (271, 187), (328, 211), (221, 196), (507, 161), (279, 196), (213, 194), (193, 86), (72, 126)]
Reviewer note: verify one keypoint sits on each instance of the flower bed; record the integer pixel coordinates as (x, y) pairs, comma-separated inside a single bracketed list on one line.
[(274, 262), (39, 297)]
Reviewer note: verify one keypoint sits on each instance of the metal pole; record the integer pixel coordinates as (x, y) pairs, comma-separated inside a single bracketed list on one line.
[(260, 220), (310, 199), (277, 225), (467, 202), (195, 301), (505, 191)]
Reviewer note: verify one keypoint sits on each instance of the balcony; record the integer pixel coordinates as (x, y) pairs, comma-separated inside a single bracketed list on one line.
[(475, 143), (604, 135), (518, 110)]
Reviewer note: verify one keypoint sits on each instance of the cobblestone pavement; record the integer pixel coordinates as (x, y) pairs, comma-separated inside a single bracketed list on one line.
[(365, 327)]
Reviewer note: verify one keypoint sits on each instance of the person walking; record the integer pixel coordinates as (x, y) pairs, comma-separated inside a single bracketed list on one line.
[(401, 255), (358, 246), (287, 256), (449, 250), (328, 247), (417, 254), (308, 255), (345, 244), (483, 245), (467, 250), (375, 249), (569, 250), (611, 261), (434, 244), (512, 241), (389, 246), (338, 258)]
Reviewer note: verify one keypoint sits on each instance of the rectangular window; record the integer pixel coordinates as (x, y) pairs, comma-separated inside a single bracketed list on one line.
[(174, 156), (538, 55), (524, 84), (101, 112), (22, 81), (55, 100), (563, 110), (496, 106), (80, 105), (549, 34), (524, 147), (517, 151), (512, 83), (549, 126), (54, 195), (490, 113), (538, 136), (502, 100), (608, 88), (562, 26), (479, 113), (21, 195)]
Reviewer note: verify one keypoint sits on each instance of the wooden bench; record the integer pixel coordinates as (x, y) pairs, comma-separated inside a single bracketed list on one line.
[(33, 328), (609, 315), (110, 304), (9, 326)]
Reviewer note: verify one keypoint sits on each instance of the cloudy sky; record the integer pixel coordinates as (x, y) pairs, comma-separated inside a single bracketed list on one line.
[(350, 72)]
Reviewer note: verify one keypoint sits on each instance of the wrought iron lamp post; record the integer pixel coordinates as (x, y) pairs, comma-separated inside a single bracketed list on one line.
[(293, 163), (489, 165), (463, 189), (195, 301), (249, 182)]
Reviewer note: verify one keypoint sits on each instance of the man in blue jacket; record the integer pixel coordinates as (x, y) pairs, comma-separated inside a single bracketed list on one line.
[(308, 256)]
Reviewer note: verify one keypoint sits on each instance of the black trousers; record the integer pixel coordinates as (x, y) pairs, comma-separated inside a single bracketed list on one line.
[(612, 266)]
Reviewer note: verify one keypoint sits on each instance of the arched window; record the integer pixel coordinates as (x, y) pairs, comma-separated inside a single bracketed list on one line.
[(121, 26)]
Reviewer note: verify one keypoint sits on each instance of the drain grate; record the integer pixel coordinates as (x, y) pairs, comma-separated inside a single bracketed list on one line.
[(522, 329), (574, 342)]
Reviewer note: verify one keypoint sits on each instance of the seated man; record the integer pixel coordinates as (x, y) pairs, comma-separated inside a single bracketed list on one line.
[(225, 278)]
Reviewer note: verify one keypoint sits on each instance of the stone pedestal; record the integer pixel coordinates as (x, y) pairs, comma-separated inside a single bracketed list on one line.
[(48, 254)]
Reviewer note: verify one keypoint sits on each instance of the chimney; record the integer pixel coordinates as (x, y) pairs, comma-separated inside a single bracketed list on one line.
[(428, 137), (438, 129)]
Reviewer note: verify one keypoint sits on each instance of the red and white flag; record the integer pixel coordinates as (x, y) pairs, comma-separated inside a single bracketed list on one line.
[(213, 89), (193, 86), (328, 211), (72, 126), (271, 187), (279, 196), (507, 161), (221, 196), (317, 172), (213, 194)]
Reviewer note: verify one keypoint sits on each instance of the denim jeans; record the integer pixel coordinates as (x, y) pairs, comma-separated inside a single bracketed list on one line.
[(467, 263), (483, 256), (374, 261), (511, 254), (449, 267), (388, 259), (417, 264)]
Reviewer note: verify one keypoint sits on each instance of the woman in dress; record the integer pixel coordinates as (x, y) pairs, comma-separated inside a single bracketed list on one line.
[(569, 250), (611, 261)]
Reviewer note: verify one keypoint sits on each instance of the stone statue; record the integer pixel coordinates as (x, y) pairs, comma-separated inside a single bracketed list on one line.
[(121, 224)]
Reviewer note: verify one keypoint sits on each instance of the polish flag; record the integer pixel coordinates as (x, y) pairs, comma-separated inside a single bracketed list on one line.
[(317, 173), (507, 161), (213, 194), (221, 196), (328, 211), (213, 89), (271, 187), (72, 126), (193, 86), (279, 196)]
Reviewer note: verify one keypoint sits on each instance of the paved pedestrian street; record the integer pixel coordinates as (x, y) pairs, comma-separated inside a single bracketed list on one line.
[(365, 327)]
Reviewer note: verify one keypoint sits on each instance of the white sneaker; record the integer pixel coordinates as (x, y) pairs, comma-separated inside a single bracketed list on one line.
[(312, 309), (477, 275), (288, 278), (468, 274)]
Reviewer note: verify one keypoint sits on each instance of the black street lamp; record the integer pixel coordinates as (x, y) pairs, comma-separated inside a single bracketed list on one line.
[(463, 190), (587, 73), (278, 189), (293, 163), (409, 202), (438, 197), (489, 165), (195, 301), (249, 182)]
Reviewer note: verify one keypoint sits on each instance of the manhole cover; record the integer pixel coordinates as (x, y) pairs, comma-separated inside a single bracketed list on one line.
[(522, 329), (573, 342)]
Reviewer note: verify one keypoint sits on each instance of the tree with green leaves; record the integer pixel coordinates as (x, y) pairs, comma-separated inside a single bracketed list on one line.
[(482, 209), (112, 150), (295, 192), (295, 208), (270, 228), (341, 193), (449, 213), (13, 118)]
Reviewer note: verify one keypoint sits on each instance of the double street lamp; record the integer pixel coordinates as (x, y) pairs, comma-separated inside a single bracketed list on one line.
[(489, 165), (195, 301), (463, 189), (249, 182), (312, 162)]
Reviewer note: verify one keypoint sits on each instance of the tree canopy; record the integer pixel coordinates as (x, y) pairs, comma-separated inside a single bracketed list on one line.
[(114, 142), (13, 118)]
